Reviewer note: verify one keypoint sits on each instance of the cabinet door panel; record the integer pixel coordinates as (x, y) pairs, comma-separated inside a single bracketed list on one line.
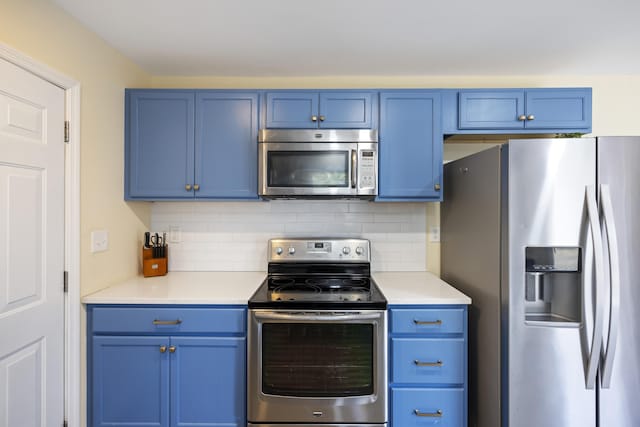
[(410, 149), (130, 382), (498, 109), (345, 110), (558, 108), (159, 144), (226, 149), (440, 361), (208, 380), (446, 407), (292, 110)]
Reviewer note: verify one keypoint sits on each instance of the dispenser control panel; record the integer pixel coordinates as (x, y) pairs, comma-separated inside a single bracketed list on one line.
[(553, 259)]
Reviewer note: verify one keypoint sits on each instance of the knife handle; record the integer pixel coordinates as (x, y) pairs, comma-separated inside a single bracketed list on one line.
[(147, 239)]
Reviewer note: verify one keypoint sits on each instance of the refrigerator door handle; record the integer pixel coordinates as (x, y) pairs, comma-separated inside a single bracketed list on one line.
[(596, 236), (614, 271)]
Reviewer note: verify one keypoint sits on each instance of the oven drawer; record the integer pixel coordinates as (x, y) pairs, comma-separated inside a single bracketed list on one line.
[(432, 321), (427, 360), (428, 407), (168, 320)]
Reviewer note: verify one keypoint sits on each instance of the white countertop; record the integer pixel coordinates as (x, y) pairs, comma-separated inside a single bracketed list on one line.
[(417, 287), (237, 287)]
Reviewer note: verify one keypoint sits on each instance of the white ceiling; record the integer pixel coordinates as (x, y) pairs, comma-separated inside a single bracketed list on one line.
[(369, 37)]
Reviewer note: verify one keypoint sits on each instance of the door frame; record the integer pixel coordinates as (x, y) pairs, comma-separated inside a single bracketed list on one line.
[(72, 375)]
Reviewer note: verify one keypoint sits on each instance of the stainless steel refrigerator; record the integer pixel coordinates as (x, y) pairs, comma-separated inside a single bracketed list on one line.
[(544, 236)]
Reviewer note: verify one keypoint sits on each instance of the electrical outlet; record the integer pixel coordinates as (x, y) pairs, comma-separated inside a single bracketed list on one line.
[(175, 234), (99, 241), (434, 234)]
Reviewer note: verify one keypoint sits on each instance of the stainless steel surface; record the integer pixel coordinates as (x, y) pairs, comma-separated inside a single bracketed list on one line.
[(338, 411), (609, 351), (470, 252), (596, 238), (317, 135), (618, 159), (319, 250), (366, 178)]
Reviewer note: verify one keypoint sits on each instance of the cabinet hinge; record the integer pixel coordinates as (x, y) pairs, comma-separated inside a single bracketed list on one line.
[(66, 283), (66, 131)]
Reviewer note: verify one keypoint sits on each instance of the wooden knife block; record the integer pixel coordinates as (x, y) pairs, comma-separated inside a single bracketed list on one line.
[(151, 266)]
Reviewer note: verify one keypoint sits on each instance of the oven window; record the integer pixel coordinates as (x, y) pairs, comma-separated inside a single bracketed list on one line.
[(308, 168), (317, 360)]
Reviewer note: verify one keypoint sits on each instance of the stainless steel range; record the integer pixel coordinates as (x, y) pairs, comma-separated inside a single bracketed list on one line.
[(317, 338)]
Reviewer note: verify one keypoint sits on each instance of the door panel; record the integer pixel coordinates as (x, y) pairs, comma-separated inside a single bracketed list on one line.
[(31, 248), (618, 167), (546, 189)]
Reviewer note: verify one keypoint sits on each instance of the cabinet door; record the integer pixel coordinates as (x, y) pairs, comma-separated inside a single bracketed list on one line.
[(410, 149), (495, 109), (130, 382), (208, 381), (292, 110), (558, 108), (226, 148), (345, 110), (159, 144)]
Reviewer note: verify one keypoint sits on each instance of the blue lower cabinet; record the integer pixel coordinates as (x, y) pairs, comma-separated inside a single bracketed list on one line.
[(204, 378), (428, 365), (428, 407), (161, 368), (130, 377)]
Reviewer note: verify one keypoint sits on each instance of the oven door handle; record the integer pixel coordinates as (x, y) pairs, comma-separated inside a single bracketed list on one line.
[(313, 316)]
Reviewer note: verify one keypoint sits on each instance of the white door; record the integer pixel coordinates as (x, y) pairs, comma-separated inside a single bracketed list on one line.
[(31, 250)]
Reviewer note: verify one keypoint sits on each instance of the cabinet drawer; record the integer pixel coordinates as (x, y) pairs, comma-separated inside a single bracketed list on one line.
[(428, 407), (426, 360), (444, 321), (166, 320)]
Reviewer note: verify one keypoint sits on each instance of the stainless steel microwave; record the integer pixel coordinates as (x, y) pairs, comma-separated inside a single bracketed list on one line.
[(326, 163)]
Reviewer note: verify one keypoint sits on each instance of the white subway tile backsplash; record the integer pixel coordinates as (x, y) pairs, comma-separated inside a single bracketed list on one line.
[(232, 236)]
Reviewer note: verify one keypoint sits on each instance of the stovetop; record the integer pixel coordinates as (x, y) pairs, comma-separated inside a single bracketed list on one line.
[(319, 274)]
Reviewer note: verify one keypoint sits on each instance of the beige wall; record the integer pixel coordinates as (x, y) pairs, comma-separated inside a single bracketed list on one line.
[(49, 35)]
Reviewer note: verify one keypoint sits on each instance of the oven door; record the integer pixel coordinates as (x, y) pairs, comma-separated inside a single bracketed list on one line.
[(308, 169), (317, 367)]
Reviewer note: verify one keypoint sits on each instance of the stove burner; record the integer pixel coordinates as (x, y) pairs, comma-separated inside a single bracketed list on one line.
[(316, 281), (355, 282), (297, 287), (352, 290), (283, 282)]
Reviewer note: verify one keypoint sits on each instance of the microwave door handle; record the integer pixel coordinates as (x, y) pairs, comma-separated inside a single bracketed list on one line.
[(354, 168)]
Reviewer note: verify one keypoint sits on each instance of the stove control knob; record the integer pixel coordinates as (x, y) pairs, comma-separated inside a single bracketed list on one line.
[(279, 250), (346, 250), (292, 251), (359, 250)]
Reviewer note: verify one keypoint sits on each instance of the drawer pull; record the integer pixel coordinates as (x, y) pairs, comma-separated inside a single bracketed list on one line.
[(427, 322), (437, 363), (172, 349), (167, 322), (437, 414), (163, 348)]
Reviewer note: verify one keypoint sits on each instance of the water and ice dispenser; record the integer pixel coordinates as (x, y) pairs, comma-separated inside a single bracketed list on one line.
[(553, 284)]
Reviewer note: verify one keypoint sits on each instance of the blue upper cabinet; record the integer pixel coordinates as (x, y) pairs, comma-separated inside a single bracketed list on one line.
[(226, 154), (159, 143), (410, 148), (191, 144), (291, 109), (517, 111)]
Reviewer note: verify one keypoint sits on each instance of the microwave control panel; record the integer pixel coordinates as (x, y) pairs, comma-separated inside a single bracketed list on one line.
[(367, 169)]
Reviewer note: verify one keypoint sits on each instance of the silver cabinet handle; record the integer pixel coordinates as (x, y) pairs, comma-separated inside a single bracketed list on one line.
[(427, 322), (187, 187), (522, 117), (598, 255), (531, 117), (354, 168), (437, 414), (614, 272), (437, 363), (314, 118), (196, 187), (322, 118), (167, 322)]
